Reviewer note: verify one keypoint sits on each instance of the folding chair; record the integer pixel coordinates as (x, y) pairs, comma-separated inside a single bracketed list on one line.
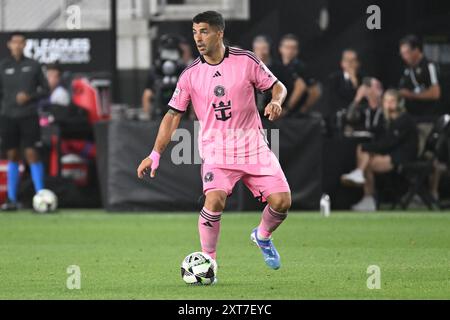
[(417, 173)]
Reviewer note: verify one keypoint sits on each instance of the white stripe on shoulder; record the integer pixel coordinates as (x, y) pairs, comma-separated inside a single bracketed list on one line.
[(433, 73)]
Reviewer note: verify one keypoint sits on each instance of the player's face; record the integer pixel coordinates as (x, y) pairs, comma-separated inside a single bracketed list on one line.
[(289, 49), (206, 37), (16, 45), (408, 54)]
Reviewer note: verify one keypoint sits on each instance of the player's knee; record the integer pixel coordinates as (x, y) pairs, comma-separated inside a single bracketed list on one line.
[(215, 201), (281, 204)]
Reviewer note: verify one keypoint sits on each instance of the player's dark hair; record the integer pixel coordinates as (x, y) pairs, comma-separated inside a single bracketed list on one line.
[(412, 41), (290, 36), (213, 18), (16, 34)]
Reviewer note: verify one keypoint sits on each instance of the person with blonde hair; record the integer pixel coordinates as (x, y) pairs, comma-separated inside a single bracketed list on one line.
[(397, 145)]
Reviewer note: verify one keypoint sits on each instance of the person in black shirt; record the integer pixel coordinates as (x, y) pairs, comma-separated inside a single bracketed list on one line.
[(365, 113), (22, 85), (261, 48), (343, 84), (149, 93), (396, 146), (289, 48), (419, 85)]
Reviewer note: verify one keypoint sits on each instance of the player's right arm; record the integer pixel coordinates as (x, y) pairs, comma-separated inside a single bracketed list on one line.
[(168, 125), (177, 106)]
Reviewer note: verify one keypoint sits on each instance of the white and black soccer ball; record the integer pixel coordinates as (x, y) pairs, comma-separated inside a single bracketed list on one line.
[(45, 201), (199, 268)]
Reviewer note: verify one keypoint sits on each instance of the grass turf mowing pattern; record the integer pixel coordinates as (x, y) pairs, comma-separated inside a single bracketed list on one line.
[(137, 256)]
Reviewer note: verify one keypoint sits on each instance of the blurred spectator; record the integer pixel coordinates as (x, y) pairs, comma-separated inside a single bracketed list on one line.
[(419, 85), (58, 94), (398, 145), (149, 93), (261, 48), (174, 54), (366, 110), (310, 91), (186, 52), (344, 83)]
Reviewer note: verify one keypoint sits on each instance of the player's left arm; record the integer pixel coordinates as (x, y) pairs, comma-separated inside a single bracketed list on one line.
[(273, 108)]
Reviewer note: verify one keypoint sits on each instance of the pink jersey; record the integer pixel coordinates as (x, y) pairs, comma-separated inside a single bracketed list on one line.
[(223, 98)]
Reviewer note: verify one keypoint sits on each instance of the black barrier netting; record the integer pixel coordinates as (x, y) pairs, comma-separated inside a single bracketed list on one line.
[(179, 187)]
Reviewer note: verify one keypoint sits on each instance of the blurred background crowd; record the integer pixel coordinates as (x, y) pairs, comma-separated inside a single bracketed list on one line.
[(380, 96)]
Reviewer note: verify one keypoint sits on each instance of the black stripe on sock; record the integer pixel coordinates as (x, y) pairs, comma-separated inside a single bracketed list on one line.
[(275, 214), (210, 217)]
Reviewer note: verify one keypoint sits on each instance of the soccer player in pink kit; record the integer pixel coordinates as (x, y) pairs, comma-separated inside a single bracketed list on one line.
[(220, 83)]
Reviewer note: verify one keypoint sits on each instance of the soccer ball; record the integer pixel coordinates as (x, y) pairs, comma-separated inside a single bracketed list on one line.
[(45, 201), (198, 268)]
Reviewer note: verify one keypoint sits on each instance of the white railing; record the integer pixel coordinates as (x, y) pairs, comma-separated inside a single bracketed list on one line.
[(51, 14), (160, 10), (95, 14)]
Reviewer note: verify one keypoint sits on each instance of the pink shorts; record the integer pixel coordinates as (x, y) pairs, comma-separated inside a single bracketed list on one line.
[(261, 180)]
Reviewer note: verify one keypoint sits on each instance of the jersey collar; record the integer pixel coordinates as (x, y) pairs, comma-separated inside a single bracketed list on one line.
[(226, 54)]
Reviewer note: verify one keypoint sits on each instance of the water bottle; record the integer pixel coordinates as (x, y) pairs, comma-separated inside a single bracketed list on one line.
[(325, 205)]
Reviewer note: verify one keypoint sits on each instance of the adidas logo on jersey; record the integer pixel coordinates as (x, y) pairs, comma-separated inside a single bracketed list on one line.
[(217, 74)]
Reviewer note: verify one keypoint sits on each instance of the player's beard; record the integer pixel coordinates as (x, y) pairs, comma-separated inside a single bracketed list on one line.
[(205, 51)]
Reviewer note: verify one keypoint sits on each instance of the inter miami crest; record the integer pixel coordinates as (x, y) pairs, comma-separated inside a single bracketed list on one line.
[(219, 91), (209, 176)]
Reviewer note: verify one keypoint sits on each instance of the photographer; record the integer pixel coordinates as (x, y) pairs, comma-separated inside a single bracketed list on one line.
[(162, 79)]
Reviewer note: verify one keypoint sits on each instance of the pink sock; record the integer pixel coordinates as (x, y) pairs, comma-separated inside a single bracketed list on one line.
[(209, 228), (270, 221)]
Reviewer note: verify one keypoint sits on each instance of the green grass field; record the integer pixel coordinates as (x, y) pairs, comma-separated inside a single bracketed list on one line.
[(138, 256)]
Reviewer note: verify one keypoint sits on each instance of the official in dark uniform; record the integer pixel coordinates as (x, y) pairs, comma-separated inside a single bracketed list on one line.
[(22, 84), (419, 85)]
